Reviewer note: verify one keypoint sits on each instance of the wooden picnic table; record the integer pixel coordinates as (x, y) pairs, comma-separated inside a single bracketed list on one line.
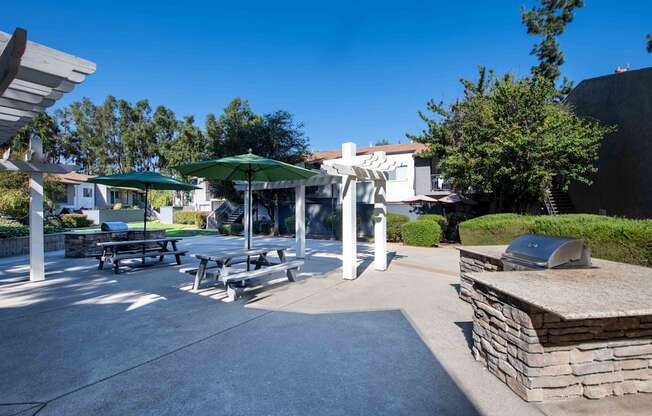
[(115, 251), (224, 260)]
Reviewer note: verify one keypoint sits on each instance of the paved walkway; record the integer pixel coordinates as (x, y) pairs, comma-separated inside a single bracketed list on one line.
[(393, 343)]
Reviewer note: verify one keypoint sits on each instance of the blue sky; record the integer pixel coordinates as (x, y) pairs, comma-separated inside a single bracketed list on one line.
[(354, 70)]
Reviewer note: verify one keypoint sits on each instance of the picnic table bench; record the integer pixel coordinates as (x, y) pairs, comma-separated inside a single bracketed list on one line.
[(116, 251), (235, 282)]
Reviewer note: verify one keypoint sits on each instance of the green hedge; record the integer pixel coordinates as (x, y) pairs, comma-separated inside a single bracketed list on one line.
[(196, 218), (421, 233), (439, 219), (75, 220), (394, 224), (231, 229), (11, 228), (611, 238)]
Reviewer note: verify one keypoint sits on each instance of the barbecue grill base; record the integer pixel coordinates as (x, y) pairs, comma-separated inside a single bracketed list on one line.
[(543, 357), (84, 243)]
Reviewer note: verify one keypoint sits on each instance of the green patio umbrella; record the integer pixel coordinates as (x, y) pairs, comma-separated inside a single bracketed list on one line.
[(145, 181), (247, 167)]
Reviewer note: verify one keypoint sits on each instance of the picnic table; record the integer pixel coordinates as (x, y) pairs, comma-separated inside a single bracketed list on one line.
[(116, 251), (235, 282)]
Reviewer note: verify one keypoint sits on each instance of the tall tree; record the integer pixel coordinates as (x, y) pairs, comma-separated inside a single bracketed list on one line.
[(548, 21), (510, 138), (649, 42)]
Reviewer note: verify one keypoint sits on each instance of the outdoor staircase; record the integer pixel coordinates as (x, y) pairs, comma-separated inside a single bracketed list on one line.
[(234, 216), (226, 213), (557, 202)]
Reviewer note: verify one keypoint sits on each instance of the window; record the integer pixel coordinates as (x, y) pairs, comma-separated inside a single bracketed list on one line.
[(87, 192), (399, 174)]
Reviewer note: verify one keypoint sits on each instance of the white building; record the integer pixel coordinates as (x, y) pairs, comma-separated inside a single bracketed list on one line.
[(414, 175), (79, 194)]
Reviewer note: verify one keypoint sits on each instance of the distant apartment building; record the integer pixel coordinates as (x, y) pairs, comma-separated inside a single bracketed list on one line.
[(623, 181)]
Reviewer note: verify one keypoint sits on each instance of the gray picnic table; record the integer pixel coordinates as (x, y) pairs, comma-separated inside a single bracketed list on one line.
[(115, 251), (235, 282)]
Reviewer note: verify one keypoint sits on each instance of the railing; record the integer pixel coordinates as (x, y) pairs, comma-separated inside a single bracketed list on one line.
[(439, 182), (219, 214)]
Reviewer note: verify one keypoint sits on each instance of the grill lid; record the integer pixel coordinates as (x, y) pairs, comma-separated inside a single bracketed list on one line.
[(542, 252), (114, 226)]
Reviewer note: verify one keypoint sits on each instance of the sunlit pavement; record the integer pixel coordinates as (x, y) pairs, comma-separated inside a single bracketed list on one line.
[(397, 342)]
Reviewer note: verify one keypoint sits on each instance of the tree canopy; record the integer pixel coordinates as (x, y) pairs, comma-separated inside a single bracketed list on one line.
[(548, 21), (510, 137)]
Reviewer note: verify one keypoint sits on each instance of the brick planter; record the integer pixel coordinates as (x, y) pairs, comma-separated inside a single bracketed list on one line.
[(542, 357), (18, 246), (84, 243)]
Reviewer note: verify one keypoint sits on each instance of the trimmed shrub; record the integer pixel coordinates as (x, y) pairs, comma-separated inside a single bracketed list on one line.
[(75, 220), (421, 233), (9, 231), (196, 218), (610, 238), (394, 224), (231, 229), (263, 227), (439, 219)]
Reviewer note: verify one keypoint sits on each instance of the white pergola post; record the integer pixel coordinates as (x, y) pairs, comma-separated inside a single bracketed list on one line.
[(247, 213), (380, 226), (349, 238), (300, 219), (36, 238)]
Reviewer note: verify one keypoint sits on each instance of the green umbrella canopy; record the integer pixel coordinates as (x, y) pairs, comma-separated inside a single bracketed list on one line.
[(247, 167), (143, 180), (239, 168)]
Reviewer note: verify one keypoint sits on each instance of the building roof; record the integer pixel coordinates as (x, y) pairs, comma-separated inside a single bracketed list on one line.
[(70, 177), (388, 149), (32, 78)]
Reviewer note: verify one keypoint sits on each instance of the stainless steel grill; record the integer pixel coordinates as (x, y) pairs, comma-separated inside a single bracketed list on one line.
[(534, 251), (114, 226)]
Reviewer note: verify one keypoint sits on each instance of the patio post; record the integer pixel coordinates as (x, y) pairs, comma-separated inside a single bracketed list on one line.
[(36, 238), (380, 226), (300, 219), (349, 248), (247, 204)]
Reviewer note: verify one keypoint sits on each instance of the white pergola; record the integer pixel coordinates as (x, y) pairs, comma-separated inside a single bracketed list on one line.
[(347, 171), (32, 78)]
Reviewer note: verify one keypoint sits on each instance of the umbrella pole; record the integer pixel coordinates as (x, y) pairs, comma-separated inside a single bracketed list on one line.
[(249, 210), (145, 222)]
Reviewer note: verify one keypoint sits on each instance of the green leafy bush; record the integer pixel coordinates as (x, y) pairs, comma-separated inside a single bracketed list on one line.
[(423, 233), (9, 231), (394, 224), (439, 219), (231, 229), (263, 226), (75, 220), (611, 238), (14, 203), (196, 218)]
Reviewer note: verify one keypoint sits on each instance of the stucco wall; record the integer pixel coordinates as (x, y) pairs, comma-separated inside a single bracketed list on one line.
[(624, 179)]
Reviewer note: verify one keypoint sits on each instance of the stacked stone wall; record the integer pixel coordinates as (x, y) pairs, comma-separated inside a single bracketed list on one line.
[(543, 357), (84, 244), (473, 262)]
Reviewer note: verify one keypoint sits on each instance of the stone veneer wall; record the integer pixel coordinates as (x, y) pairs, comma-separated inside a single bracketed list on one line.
[(17, 246), (473, 262), (542, 357), (84, 244)]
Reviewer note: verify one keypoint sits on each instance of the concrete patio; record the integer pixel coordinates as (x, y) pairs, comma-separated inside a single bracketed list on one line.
[(394, 342)]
